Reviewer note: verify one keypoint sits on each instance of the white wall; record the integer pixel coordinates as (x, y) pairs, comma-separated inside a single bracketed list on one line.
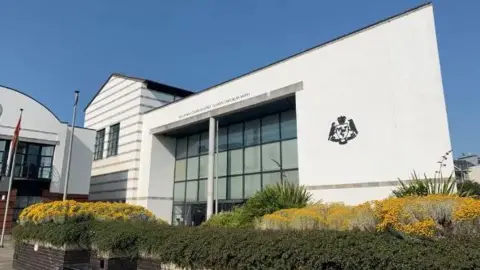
[(121, 100), (474, 173), (81, 163), (42, 126), (387, 78)]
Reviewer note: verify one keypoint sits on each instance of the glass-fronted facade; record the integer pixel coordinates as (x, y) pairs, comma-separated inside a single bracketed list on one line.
[(32, 172), (251, 155), (32, 161)]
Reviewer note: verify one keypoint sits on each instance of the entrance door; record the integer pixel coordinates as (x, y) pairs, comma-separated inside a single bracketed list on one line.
[(197, 214)]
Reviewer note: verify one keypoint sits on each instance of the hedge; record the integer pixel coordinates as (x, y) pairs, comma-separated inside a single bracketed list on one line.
[(223, 248)]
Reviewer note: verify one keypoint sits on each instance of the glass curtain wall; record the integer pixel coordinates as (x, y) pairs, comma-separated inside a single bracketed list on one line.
[(252, 154)]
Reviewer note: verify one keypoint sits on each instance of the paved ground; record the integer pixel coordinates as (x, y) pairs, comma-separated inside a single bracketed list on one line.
[(6, 255)]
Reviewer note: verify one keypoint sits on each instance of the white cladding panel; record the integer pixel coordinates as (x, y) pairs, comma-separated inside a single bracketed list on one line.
[(386, 78), (123, 101)]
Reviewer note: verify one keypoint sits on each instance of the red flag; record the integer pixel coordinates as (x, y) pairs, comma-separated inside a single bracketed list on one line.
[(13, 143)]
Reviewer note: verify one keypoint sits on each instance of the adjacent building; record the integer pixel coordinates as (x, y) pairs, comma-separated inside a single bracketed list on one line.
[(346, 119), (41, 157), (115, 112), (467, 168)]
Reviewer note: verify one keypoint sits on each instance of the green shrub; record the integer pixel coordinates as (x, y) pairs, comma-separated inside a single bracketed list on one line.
[(429, 186), (68, 233), (277, 197), (233, 219), (222, 248), (471, 187), (270, 199)]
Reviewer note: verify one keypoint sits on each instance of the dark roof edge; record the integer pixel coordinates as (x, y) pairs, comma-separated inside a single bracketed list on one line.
[(396, 16), (153, 84), (43, 105)]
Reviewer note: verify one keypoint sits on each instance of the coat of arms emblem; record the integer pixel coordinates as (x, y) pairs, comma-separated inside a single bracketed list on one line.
[(342, 130)]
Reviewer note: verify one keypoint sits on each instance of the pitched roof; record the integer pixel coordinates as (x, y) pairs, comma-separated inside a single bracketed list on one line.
[(149, 84)]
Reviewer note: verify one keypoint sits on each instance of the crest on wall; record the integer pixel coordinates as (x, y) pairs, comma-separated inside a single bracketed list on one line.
[(343, 130)]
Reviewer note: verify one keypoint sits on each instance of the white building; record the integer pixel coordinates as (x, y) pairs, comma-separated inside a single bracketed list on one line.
[(346, 118), (41, 158), (116, 113)]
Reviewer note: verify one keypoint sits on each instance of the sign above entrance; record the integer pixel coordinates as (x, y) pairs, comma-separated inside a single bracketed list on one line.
[(214, 105)]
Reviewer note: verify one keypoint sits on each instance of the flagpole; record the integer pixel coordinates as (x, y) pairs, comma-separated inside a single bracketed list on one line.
[(10, 173), (67, 173)]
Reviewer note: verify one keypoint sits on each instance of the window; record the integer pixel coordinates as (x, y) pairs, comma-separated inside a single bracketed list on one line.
[(236, 187), (99, 141), (271, 157), (179, 192), (289, 154), (193, 145), (270, 129), (252, 159), (252, 184), (204, 143), (252, 132), (251, 155), (33, 161), (192, 168), (235, 136), (182, 148), (3, 156), (289, 125), (235, 161), (112, 149)]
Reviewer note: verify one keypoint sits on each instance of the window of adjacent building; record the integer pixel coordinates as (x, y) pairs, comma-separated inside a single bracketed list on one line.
[(112, 149), (99, 142), (33, 161), (162, 96), (251, 155), (3, 155)]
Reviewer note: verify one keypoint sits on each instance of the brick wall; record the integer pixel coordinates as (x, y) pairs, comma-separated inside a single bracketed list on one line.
[(13, 199), (26, 258)]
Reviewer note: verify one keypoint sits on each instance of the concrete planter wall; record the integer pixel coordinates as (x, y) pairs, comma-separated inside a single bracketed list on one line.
[(112, 263), (28, 256)]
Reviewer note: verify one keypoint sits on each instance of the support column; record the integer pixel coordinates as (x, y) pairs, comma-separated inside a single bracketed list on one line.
[(211, 160)]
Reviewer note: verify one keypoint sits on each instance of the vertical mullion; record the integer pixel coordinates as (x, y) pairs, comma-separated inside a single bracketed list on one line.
[(227, 179), (280, 145), (261, 153), (198, 163), (243, 161), (186, 175)]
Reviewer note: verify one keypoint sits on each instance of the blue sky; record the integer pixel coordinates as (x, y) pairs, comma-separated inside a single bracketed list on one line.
[(50, 48)]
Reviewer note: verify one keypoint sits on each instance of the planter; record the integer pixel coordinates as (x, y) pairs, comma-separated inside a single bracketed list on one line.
[(112, 263), (152, 264), (29, 256)]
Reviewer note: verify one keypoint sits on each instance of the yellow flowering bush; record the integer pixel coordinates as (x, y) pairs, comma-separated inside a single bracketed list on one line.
[(333, 216), (59, 211), (428, 216)]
